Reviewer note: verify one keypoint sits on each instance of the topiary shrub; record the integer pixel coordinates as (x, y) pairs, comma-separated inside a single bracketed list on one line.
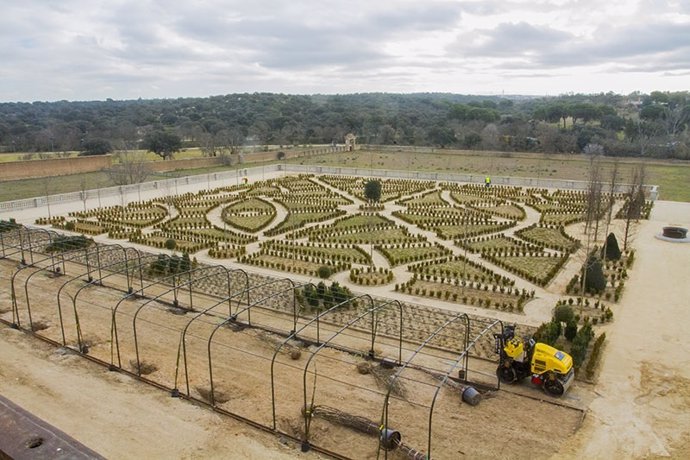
[(611, 251), (580, 343), (372, 190), (563, 314), (325, 271), (170, 244), (570, 330), (595, 281), (548, 333)]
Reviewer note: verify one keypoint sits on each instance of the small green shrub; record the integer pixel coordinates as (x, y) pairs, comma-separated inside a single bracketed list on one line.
[(325, 271), (563, 314)]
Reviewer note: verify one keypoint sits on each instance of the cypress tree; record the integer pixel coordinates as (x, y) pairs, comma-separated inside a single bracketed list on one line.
[(611, 249), (595, 281)]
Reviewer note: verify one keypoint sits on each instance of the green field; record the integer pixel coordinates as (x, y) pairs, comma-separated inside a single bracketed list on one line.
[(671, 176)]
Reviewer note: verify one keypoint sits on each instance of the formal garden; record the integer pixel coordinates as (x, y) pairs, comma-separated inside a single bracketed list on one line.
[(494, 248)]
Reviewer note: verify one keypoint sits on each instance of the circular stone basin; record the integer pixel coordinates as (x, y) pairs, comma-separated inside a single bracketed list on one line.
[(675, 232)]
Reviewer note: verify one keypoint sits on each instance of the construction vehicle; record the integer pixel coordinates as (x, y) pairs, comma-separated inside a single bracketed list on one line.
[(546, 366)]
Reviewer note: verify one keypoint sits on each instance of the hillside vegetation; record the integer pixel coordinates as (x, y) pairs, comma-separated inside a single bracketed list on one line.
[(654, 125)]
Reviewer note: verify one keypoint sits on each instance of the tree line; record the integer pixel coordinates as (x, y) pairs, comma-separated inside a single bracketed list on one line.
[(654, 124)]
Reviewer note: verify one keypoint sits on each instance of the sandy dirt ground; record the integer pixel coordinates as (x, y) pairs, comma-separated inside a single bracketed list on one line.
[(117, 416), (641, 407), (241, 373)]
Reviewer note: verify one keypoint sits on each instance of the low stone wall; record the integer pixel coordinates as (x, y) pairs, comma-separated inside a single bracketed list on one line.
[(53, 167)]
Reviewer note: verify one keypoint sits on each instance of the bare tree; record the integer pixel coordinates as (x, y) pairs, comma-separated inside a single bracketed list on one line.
[(634, 202), (593, 199), (592, 214), (82, 191), (131, 169), (613, 184)]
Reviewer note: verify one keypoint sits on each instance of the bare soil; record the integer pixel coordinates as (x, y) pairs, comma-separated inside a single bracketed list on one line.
[(241, 366), (641, 405)]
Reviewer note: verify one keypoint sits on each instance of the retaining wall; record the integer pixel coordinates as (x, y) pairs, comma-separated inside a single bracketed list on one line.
[(13, 170)]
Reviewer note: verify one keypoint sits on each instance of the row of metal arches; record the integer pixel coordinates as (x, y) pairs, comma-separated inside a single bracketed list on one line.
[(91, 266)]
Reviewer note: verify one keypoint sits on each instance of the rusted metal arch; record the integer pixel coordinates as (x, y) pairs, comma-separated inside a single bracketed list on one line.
[(75, 253), (183, 345), (141, 261), (28, 231), (384, 410), (174, 289), (13, 233), (2, 242), (374, 309), (113, 334), (231, 319), (293, 288), (464, 358), (316, 320)]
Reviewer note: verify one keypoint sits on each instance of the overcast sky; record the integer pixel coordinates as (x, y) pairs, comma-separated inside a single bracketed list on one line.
[(126, 49)]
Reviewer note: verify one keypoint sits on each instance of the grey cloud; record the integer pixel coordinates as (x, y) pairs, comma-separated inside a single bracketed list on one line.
[(156, 48), (509, 39), (648, 47), (661, 42)]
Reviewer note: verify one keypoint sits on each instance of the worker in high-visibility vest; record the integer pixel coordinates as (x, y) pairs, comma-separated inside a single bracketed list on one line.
[(487, 181)]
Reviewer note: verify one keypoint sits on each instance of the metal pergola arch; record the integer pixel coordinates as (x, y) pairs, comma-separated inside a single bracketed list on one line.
[(76, 253), (464, 358), (232, 317), (71, 253), (384, 411), (295, 334), (372, 310), (33, 240), (190, 281), (141, 261)]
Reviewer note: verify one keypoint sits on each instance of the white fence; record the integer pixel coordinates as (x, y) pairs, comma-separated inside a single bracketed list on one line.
[(128, 193)]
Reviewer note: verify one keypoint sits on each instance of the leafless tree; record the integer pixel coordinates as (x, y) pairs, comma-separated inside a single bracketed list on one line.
[(634, 202), (593, 205), (131, 169), (613, 184), (82, 191)]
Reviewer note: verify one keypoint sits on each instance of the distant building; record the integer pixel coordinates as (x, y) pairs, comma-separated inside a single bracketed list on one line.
[(350, 142)]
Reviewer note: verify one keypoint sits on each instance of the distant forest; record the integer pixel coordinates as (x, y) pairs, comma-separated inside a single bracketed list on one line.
[(653, 125)]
